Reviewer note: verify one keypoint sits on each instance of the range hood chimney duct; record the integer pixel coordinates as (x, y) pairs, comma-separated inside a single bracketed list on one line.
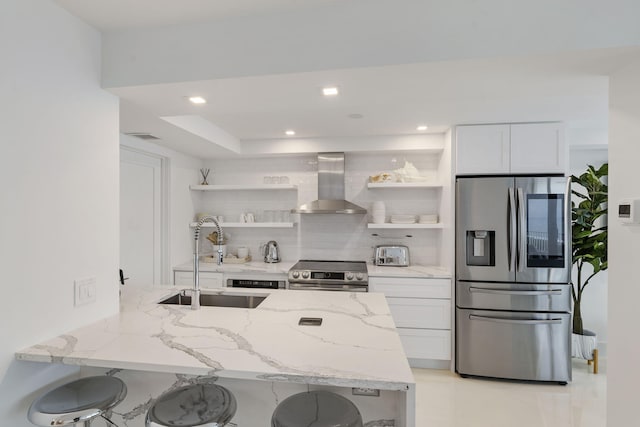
[(331, 195)]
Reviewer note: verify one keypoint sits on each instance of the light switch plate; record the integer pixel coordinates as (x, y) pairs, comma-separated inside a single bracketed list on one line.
[(85, 291)]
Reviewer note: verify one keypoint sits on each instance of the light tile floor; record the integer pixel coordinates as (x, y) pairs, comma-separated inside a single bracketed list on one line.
[(446, 400)]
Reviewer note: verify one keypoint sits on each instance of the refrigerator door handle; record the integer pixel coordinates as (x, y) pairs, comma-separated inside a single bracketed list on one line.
[(515, 321), (522, 238), (514, 292), (511, 230)]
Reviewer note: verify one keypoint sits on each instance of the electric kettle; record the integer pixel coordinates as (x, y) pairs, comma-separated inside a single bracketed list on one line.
[(270, 252)]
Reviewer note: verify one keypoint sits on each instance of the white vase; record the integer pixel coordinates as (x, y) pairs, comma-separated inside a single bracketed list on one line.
[(582, 346)]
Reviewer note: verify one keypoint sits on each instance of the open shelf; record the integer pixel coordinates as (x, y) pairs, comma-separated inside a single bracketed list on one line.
[(239, 187), (404, 226), (247, 225), (402, 185)]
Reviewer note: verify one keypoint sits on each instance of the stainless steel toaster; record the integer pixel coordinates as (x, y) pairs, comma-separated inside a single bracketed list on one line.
[(391, 255)]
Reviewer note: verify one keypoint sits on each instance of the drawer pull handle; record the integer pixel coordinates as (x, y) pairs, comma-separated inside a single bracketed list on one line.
[(514, 292), (516, 321)]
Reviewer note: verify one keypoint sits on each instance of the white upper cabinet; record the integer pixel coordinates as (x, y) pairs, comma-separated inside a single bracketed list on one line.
[(482, 149), (510, 149), (538, 148)]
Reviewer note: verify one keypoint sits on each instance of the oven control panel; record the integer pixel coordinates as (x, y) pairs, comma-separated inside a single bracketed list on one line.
[(310, 276)]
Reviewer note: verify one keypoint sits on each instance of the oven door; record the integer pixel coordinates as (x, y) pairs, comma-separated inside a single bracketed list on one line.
[(344, 287)]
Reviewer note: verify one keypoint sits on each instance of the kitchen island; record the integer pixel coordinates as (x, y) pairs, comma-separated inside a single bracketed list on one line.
[(262, 355)]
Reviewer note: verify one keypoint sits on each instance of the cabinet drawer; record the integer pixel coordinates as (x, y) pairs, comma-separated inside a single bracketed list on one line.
[(421, 313), (403, 287), (208, 280), (426, 343)]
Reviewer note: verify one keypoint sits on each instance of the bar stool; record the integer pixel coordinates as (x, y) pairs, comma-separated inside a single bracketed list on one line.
[(316, 408), (78, 401), (197, 405)]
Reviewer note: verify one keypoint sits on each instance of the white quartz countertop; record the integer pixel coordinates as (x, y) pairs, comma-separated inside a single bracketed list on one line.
[(421, 271), (249, 267), (356, 346)]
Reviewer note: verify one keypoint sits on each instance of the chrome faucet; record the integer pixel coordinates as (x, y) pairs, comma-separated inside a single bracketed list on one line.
[(195, 294)]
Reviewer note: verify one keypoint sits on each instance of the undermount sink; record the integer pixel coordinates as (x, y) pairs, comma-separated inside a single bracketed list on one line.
[(217, 300)]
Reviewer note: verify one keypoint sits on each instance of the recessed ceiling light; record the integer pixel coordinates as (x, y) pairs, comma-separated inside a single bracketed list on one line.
[(330, 91), (422, 127), (290, 132), (355, 116), (197, 100)]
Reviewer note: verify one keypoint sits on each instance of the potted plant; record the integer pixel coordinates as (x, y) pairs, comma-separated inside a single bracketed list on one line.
[(589, 248)]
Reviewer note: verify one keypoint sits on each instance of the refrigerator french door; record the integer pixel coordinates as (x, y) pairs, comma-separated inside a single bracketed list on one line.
[(513, 267)]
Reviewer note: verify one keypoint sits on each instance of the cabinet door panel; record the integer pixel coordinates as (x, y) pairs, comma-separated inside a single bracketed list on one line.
[(538, 148), (411, 287), (208, 280), (421, 313), (482, 149), (426, 343)]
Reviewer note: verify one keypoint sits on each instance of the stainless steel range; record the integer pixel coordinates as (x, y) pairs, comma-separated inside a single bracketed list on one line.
[(348, 276)]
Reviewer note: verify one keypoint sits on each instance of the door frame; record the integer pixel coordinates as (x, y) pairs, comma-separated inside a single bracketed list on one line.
[(164, 208)]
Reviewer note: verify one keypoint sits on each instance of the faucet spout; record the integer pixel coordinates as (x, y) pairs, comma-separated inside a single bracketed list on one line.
[(195, 294)]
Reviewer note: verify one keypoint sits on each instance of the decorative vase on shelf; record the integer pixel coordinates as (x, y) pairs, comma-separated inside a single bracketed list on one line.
[(205, 173)]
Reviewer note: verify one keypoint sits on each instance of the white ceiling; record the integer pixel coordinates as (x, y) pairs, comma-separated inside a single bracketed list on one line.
[(109, 15), (393, 100)]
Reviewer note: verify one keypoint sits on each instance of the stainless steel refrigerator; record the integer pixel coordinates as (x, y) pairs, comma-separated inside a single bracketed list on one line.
[(513, 271)]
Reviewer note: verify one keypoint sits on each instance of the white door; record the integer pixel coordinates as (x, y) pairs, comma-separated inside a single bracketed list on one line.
[(140, 217)]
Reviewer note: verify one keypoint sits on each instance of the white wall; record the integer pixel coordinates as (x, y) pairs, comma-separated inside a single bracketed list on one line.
[(594, 298), (59, 181), (364, 33), (624, 249), (183, 170)]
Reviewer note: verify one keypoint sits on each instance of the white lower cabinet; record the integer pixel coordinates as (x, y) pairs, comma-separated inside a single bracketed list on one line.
[(208, 279), (421, 309), (426, 343), (420, 313)]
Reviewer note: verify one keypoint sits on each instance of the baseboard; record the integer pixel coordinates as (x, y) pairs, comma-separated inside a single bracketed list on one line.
[(430, 363)]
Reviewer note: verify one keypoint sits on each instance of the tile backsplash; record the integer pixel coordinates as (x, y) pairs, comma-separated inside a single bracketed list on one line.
[(326, 236)]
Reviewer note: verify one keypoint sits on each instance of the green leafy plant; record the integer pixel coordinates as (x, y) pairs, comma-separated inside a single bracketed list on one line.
[(589, 236)]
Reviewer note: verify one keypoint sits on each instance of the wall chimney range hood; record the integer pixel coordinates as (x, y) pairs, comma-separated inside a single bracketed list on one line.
[(330, 189)]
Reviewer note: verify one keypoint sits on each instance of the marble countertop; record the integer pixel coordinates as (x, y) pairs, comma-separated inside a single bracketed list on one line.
[(249, 267), (356, 346), (421, 271)]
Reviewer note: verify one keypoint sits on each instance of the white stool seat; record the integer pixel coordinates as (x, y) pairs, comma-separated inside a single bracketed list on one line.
[(197, 405), (77, 401), (318, 409)]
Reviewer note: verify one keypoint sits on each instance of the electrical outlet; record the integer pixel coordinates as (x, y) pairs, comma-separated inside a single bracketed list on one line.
[(85, 291), (360, 391)]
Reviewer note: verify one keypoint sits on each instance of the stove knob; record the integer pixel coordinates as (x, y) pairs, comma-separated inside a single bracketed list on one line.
[(349, 276), (305, 274), (359, 276), (295, 274)]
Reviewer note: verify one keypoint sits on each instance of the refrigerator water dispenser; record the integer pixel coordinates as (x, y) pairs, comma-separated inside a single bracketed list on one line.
[(481, 248)]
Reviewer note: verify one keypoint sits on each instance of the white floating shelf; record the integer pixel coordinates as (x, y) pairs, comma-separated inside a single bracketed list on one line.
[(402, 185), (248, 225), (405, 226), (239, 187)]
